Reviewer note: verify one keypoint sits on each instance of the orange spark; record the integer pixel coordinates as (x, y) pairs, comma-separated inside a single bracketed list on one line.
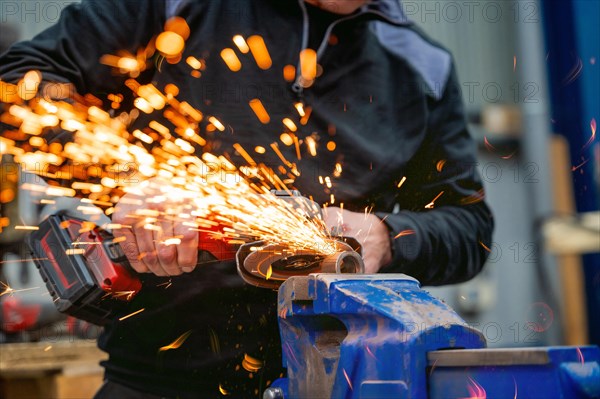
[(476, 391), (308, 65), (433, 367), (143, 105), (297, 147), (172, 241), (404, 233), (8, 290), (275, 148), (223, 391), (259, 52), (347, 379), (244, 154), (216, 123), (142, 136), (338, 170), (430, 205), (509, 156), (132, 314), (193, 62), (514, 63), (574, 73), (369, 352), (593, 128), (178, 25), (127, 294), (28, 86), (574, 168), (177, 343), (269, 273), (312, 146), (21, 227), (306, 117), (485, 246), (75, 251), (170, 44), (241, 43), (580, 356), (251, 364), (231, 60), (290, 124), (440, 165), (300, 108), (490, 147), (260, 111), (401, 182), (289, 73), (286, 139), (473, 198)]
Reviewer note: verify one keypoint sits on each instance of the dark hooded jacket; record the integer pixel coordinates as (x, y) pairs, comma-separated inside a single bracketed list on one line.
[(387, 96)]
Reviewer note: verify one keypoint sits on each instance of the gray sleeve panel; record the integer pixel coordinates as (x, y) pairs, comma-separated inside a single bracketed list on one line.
[(431, 62)]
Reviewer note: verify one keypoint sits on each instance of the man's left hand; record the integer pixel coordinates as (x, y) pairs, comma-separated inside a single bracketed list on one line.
[(368, 229)]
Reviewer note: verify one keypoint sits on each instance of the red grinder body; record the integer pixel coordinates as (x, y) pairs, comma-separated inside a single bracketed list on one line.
[(86, 271)]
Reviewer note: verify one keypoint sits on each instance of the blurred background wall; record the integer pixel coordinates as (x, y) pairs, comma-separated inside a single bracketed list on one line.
[(529, 71)]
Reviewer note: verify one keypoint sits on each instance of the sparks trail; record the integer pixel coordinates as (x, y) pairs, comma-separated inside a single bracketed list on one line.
[(209, 189), (404, 233), (177, 343), (432, 203), (574, 168), (580, 356), (8, 290), (251, 364), (476, 391), (347, 379), (234, 202), (574, 73), (132, 314), (485, 246), (593, 136), (493, 149)]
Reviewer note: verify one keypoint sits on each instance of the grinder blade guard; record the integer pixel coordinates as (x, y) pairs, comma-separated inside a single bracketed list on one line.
[(268, 265)]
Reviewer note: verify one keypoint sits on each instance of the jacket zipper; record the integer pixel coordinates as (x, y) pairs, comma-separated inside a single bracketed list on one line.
[(296, 86)]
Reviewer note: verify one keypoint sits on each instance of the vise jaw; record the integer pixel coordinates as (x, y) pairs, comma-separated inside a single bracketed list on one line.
[(361, 336)]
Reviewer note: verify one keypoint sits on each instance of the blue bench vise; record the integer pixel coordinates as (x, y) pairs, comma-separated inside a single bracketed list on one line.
[(382, 336)]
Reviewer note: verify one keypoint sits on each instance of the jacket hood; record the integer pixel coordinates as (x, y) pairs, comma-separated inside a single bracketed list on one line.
[(391, 10)]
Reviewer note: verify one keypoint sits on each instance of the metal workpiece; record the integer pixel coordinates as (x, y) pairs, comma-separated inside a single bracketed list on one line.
[(343, 262), (268, 265)]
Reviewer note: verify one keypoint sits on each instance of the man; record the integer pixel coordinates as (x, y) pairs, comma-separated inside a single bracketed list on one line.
[(387, 98)]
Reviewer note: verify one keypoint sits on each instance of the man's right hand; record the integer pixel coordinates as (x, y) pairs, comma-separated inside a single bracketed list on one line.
[(152, 231)]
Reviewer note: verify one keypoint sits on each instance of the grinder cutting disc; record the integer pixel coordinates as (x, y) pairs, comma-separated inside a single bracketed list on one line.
[(269, 265)]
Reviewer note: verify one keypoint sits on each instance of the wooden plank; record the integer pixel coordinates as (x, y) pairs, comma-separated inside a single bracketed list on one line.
[(33, 358), (570, 266), (60, 370)]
